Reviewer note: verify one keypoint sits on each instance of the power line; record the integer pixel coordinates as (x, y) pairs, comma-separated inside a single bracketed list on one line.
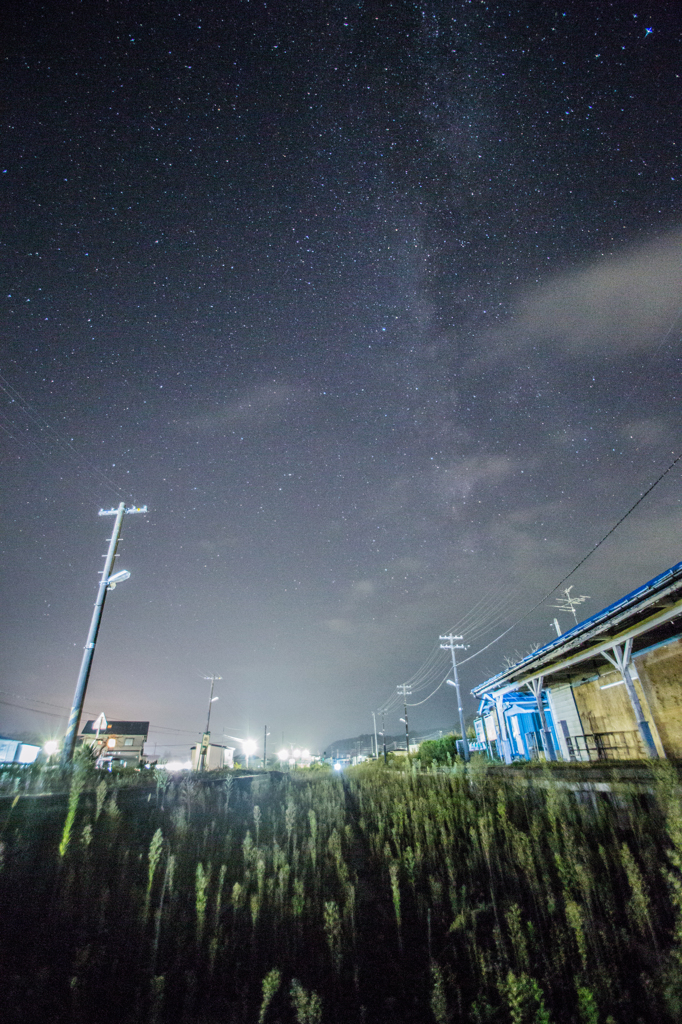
[(429, 696), (31, 443), (582, 561), (394, 701)]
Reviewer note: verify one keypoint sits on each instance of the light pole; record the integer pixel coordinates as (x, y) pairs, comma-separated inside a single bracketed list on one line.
[(265, 745), (376, 741), (107, 582), (405, 689), (452, 646), (206, 739)]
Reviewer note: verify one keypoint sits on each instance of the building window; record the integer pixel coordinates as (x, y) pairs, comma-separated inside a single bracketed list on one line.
[(128, 741)]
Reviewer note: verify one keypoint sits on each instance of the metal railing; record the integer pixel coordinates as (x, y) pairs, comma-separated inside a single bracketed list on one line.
[(606, 746)]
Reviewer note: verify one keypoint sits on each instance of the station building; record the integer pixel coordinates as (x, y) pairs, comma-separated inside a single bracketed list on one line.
[(609, 688)]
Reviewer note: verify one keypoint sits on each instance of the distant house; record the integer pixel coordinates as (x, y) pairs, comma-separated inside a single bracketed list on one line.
[(119, 744), (17, 752), (610, 687)]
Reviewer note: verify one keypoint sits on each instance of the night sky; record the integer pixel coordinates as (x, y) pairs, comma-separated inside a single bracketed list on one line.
[(377, 306)]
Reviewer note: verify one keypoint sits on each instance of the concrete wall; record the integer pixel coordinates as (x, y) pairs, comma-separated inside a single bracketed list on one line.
[(609, 710), (604, 705), (660, 673)]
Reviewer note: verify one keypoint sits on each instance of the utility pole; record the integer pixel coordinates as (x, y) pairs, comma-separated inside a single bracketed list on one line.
[(265, 746), (206, 738), (107, 582), (405, 690), (383, 736), (452, 647), (376, 741)]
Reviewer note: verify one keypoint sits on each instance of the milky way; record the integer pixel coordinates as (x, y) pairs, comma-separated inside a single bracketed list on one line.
[(377, 306)]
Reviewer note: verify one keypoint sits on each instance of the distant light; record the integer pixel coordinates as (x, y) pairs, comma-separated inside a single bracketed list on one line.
[(111, 743), (338, 767), (213, 698), (176, 766), (27, 753), (305, 754), (51, 747), (296, 753), (249, 747), (283, 755)]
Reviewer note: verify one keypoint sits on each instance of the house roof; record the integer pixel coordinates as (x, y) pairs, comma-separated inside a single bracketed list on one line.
[(117, 729), (643, 616)]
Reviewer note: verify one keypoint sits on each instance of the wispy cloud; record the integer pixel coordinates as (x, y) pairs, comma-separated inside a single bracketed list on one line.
[(618, 304), (265, 405), (457, 482)]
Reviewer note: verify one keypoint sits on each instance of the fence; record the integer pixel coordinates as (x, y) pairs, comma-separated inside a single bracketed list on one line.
[(606, 746)]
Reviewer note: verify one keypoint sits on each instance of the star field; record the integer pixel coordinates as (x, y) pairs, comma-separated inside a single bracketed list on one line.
[(377, 306)]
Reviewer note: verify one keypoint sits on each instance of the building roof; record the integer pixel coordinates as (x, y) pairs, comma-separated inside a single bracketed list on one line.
[(643, 616), (117, 729)]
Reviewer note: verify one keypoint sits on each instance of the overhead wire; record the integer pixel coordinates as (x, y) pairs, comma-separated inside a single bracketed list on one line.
[(579, 564), (86, 712), (429, 696), (394, 701), (37, 420)]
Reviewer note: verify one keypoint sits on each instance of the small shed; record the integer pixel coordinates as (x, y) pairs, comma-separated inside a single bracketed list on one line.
[(217, 756)]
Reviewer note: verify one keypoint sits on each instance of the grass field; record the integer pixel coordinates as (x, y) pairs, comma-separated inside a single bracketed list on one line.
[(384, 896)]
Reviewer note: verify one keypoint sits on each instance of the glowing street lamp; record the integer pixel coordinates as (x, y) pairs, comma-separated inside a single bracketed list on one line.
[(283, 755), (249, 747)]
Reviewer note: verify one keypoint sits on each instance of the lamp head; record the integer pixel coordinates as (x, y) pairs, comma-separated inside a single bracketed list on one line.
[(118, 577)]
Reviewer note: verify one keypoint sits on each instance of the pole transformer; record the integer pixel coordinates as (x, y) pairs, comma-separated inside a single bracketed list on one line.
[(452, 646), (105, 584)]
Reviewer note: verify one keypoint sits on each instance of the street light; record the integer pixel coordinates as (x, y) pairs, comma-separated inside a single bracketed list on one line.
[(118, 577), (107, 582), (283, 755), (465, 745), (249, 747), (206, 739)]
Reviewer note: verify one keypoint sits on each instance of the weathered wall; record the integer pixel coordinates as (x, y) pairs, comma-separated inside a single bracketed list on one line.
[(607, 711), (660, 672)]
